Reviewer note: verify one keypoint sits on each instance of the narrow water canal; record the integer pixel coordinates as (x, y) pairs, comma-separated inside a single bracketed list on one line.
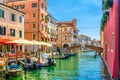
[(80, 67)]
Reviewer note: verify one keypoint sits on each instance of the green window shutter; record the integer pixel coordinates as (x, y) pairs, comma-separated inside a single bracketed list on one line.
[(2, 14), (0, 30), (13, 32), (20, 33), (10, 32), (20, 19), (4, 31)]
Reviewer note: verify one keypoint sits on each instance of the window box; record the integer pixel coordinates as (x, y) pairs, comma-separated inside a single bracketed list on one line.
[(34, 5)]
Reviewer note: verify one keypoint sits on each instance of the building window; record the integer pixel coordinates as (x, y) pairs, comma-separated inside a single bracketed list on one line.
[(33, 25), (1, 13), (12, 17), (33, 36), (20, 19), (45, 8), (42, 16), (42, 6), (42, 27), (42, 39), (17, 7), (20, 34), (34, 14), (22, 6), (34, 5), (65, 37), (65, 29), (12, 32), (113, 41), (2, 30), (46, 18)]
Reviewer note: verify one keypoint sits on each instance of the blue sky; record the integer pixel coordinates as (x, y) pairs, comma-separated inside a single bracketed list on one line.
[(87, 12)]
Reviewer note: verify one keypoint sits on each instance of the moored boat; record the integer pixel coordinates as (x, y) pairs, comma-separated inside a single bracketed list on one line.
[(15, 70)]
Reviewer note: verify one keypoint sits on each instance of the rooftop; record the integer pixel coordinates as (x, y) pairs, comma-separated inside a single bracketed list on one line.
[(11, 8)]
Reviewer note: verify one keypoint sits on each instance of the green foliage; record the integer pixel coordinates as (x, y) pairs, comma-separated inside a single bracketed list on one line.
[(103, 21), (105, 5)]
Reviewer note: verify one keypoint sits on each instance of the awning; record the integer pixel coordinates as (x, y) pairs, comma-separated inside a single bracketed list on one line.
[(20, 41), (4, 41)]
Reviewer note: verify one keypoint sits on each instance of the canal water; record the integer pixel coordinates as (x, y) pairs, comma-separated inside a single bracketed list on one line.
[(81, 67)]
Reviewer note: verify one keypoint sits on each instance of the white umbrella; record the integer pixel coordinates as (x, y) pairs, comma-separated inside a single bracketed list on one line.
[(49, 45), (21, 42), (34, 42), (45, 43)]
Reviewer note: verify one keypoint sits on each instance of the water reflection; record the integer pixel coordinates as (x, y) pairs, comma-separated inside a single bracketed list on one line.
[(80, 67)]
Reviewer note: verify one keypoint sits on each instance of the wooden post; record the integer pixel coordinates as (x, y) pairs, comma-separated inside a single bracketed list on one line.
[(52, 54), (39, 53), (25, 60), (16, 54), (6, 61)]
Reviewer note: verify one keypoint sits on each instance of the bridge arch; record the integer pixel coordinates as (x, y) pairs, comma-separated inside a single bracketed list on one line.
[(97, 49)]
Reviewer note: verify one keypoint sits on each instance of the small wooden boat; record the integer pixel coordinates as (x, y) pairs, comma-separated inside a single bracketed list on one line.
[(15, 70), (30, 66), (50, 62), (2, 71)]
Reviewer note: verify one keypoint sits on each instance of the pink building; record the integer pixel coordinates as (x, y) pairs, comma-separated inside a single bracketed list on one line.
[(112, 38), (11, 25), (36, 22)]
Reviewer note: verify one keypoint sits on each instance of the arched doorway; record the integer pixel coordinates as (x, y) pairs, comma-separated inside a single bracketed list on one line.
[(65, 45)]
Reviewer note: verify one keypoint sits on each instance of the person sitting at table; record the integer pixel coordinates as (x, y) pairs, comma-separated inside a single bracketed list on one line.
[(28, 59), (20, 54), (12, 50)]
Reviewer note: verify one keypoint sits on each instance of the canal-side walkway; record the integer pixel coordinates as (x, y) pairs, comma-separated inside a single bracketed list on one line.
[(81, 67)]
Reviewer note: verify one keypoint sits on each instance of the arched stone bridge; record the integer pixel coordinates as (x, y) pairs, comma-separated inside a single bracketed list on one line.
[(97, 49)]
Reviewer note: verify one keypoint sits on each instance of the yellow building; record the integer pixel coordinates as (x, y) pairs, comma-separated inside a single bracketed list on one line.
[(102, 39)]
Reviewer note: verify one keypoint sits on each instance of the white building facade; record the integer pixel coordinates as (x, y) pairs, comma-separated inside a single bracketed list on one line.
[(52, 30)]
